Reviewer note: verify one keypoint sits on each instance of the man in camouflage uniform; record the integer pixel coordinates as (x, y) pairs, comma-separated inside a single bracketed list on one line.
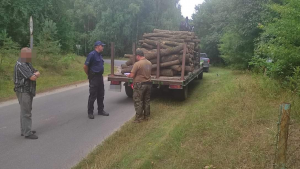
[(141, 74)]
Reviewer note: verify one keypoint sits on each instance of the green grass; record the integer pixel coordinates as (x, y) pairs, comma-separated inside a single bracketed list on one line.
[(229, 121), (51, 78)]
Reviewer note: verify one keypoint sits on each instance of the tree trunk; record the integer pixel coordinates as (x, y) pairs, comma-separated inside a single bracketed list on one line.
[(179, 68), (165, 72), (166, 64), (127, 70), (164, 52)]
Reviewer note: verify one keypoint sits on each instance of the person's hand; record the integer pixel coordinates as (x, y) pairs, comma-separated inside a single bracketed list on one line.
[(132, 85), (37, 74), (33, 77)]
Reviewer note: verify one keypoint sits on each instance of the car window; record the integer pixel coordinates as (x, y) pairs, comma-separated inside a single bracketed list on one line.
[(203, 55)]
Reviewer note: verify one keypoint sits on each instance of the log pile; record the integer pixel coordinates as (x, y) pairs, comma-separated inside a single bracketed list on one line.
[(171, 52)]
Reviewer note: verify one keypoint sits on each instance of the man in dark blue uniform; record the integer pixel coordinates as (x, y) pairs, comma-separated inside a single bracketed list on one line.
[(94, 68)]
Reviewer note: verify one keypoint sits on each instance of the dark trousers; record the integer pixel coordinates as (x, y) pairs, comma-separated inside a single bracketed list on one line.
[(96, 92)]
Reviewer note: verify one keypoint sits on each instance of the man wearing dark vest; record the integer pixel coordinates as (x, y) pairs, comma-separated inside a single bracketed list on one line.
[(94, 68)]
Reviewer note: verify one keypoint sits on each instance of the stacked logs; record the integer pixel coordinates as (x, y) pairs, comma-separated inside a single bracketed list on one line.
[(171, 44)]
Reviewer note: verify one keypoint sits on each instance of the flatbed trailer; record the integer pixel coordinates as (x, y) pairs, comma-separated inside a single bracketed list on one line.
[(178, 84)]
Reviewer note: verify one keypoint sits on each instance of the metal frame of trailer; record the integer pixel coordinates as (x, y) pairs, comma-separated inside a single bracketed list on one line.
[(178, 83)]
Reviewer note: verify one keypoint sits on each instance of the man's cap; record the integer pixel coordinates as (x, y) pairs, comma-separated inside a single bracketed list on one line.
[(99, 43), (139, 52)]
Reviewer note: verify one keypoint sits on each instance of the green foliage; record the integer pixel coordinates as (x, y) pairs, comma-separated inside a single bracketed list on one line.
[(281, 40), (294, 81), (81, 22), (210, 20), (48, 45), (65, 61), (7, 46), (124, 22), (228, 28), (234, 50)]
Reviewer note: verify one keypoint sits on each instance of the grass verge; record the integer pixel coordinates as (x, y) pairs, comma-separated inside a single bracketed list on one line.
[(51, 78), (229, 121)]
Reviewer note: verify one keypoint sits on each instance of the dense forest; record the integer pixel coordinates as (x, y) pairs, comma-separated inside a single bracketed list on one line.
[(258, 35), (61, 24)]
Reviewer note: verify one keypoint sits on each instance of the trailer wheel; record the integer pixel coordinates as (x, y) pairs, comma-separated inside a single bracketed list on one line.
[(128, 90), (181, 94), (200, 76)]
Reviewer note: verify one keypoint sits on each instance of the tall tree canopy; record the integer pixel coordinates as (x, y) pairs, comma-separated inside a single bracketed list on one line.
[(84, 21)]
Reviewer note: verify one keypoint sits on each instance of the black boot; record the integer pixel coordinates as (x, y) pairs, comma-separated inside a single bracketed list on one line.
[(103, 113), (91, 116), (32, 136)]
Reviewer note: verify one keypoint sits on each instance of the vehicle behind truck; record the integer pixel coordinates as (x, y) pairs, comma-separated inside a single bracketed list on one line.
[(205, 61)]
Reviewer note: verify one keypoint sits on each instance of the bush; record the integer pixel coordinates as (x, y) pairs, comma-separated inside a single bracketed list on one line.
[(281, 40), (67, 60), (7, 46), (47, 42)]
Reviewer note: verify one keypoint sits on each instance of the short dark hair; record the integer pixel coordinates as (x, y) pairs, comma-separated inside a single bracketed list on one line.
[(139, 52)]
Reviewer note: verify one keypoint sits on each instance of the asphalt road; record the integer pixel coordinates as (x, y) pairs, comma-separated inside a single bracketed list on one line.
[(66, 135)]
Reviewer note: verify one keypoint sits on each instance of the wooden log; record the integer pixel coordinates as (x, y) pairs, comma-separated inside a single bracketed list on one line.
[(156, 35), (170, 43), (165, 52), (147, 46), (123, 66), (166, 64), (129, 62), (165, 72), (154, 44), (128, 55), (176, 32), (165, 39), (178, 68), (127, 70), (154, 66), (171, 58), (148, 50)]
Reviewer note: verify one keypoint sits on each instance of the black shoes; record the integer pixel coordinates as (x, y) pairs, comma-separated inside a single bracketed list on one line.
[(103, 113), (32, 136), (91, 116), (33, 132)]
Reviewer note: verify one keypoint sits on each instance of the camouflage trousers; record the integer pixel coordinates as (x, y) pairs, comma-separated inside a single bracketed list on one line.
[(141, 98)]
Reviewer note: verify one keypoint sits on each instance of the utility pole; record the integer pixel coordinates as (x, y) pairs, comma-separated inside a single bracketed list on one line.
[(31, 32)]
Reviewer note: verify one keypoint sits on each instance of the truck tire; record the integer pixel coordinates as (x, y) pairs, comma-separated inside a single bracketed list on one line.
[(128, 90), (181, 94), (200, 76)]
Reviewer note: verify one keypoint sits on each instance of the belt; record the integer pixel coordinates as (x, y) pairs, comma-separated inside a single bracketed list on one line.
[(145, 83), (96, 73)]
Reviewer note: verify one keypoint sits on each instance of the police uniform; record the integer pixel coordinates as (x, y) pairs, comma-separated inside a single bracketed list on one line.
[(142, 87), (95, 63)]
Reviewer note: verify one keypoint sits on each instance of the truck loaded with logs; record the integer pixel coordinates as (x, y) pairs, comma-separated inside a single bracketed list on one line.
[(175, 58)]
